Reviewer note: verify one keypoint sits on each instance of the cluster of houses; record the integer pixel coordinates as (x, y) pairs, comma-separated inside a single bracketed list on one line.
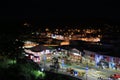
[(103, 61), (39, 53)]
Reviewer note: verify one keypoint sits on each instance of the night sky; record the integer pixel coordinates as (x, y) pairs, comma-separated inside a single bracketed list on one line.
[(37, 11)]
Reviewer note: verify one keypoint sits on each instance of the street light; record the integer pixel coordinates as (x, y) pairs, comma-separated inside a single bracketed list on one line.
[(44, 59), (86, 71)]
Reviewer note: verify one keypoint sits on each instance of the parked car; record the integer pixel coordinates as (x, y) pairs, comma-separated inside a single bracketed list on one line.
[(115, 76)]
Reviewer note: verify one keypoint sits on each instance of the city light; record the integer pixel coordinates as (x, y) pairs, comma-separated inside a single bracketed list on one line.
[(29, 44)]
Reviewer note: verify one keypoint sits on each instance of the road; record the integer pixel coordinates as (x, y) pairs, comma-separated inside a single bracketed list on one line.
[(92, 74)]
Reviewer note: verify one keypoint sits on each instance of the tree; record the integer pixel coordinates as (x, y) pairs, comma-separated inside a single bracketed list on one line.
[(10, 46)]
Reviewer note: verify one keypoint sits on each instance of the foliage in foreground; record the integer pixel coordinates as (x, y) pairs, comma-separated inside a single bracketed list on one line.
[(26, 70)]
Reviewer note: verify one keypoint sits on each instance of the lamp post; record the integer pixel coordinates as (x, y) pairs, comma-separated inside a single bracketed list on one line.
[(86, 72), (44, 59), (62, 62)]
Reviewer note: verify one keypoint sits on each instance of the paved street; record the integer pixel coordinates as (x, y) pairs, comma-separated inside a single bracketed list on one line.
[(92, 74)]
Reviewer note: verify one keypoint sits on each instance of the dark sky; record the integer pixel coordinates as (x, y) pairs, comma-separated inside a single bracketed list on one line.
[(38, 8), (13, 11)]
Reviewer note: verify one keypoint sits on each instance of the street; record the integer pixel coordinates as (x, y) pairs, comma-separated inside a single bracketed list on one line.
[(92, 74)]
